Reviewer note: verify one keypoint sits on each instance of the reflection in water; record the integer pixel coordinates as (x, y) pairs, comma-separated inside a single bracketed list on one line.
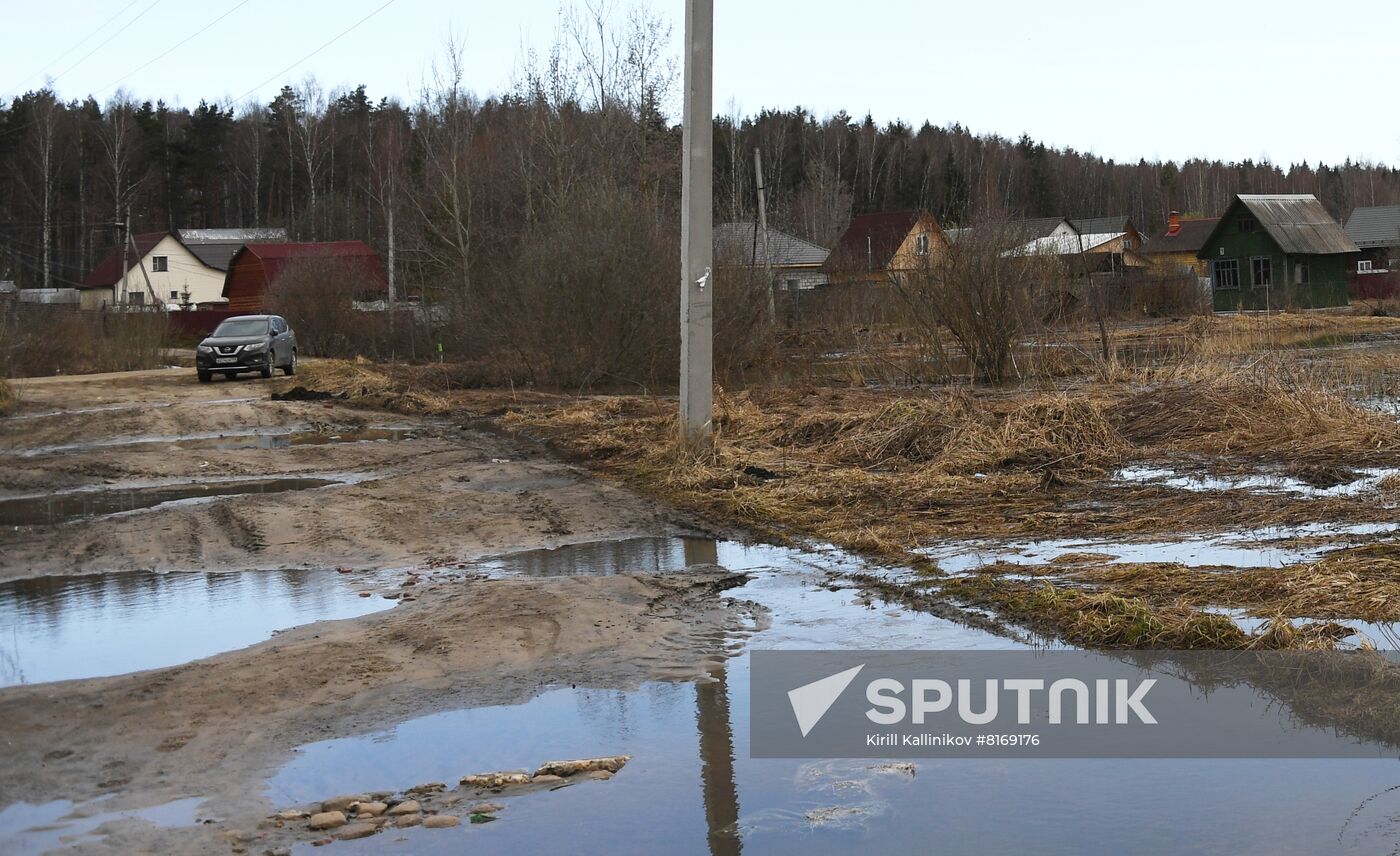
[(800, 808), (60, 628), (717, 765), (604, 558)]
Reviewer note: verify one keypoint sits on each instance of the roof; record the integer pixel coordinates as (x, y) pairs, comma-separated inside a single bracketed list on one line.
[(871, 241), (1065, 245), (115, 264), (274, 257), (1297, 222), (1100, 225), (217, 247), (1378, 226), (1189, 238), (744, 241), (1038, 227)]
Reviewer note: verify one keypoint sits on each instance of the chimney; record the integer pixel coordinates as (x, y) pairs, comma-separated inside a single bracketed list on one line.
[(1173, 223)]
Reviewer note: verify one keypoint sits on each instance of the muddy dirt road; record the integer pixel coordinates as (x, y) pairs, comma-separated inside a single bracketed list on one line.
[(118, 492), (433, 489)]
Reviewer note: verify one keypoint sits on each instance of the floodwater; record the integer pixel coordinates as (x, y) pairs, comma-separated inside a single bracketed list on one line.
[(227, 441), (1264, 547), (692, 786), (49, 509), (61, 628), (33, 829), (1367, 479), (600, 558)]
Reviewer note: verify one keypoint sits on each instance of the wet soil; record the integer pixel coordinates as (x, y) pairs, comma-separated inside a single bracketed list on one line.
[(431, 489)]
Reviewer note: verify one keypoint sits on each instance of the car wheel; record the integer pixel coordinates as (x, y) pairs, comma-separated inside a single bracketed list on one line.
[(291, 367), (266, 371), (205, 377)]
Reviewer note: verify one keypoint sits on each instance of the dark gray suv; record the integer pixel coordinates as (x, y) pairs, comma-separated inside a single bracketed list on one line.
[(247, 343)]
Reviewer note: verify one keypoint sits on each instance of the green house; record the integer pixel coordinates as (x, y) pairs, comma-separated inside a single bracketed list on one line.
[(1278, 252)]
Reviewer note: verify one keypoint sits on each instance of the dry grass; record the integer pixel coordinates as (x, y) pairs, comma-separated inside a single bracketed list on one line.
[(1361, 583), (372, 384), (885, 472), (9, 397)]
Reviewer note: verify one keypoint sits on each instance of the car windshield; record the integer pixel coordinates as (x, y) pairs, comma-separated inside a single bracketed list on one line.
[(241, 327)]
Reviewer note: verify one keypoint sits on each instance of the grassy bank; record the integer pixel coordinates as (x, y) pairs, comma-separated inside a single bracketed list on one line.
[(888, 472)]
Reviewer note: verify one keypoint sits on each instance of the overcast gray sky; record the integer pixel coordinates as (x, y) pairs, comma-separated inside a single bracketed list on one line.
[(1230, 79)]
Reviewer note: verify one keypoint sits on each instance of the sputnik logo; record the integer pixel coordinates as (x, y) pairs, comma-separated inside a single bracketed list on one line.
[(810, 702)]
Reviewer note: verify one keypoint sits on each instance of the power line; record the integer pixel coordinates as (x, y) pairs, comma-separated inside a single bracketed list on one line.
[(84, 41), (182, 43), (340, 36), (124, 28)]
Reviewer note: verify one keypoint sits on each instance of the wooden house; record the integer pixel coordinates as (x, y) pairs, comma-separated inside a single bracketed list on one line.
[(1277, 251)]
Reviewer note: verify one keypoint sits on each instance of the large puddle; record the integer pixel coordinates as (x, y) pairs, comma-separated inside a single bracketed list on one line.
[(691, 786), (604, 558), (49, 509), (59, 628), (34, 829)]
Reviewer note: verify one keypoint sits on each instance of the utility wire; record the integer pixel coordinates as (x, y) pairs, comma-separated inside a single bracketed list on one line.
[(84, 41), (124, 28), (181, 44), (341, 35)]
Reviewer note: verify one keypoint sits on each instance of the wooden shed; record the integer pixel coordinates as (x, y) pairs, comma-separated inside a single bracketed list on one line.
[(255, 267)]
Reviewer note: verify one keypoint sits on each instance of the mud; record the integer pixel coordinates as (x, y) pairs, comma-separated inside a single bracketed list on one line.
[(436, 490), (97, 758), (50, 509)]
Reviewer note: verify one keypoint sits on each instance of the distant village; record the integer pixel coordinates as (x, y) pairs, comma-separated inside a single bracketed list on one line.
[(1264, 252)]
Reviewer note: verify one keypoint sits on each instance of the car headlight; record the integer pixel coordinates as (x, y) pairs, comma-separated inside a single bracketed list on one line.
[(254, 348), (204, 349)]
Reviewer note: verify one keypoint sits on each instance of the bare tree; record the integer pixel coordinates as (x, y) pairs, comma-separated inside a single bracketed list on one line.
[(983, 289), (311, 135), (119, 143), (45, 154), (446, 124), (248, 163)]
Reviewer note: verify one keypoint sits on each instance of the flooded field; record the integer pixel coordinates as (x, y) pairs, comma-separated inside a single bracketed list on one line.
[(1262, 547), (691, 786), (62, 628)]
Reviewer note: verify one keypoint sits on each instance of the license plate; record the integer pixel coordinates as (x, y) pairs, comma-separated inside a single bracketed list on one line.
[(225, 360)]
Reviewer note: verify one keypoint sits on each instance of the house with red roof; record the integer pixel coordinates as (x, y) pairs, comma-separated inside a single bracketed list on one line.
[(160, 270), (183, 269), (877, 248), (257, 266)]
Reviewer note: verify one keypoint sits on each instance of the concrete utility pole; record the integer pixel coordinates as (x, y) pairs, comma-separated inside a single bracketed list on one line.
[(763, 224), (697, 227)]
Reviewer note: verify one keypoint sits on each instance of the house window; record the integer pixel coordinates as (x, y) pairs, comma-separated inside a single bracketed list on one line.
[(1226, 273), (136, 298), (1304, 274), (160, 264), (1246, 224), (921, 244), (792, 285), (1261, 270), (1363, 266), (174, 295)]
